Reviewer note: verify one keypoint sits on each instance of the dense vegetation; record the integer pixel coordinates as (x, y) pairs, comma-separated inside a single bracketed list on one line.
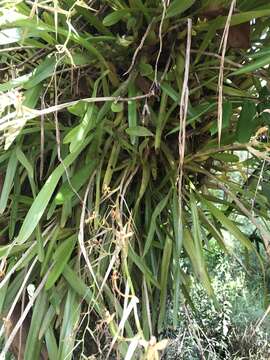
[(133, 133), (234, 330)]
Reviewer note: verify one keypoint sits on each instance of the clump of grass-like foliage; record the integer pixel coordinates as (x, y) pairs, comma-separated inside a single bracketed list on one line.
[(120, 122)]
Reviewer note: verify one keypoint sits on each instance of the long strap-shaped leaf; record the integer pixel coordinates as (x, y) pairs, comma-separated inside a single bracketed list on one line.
[(227, 223), (41, 201)]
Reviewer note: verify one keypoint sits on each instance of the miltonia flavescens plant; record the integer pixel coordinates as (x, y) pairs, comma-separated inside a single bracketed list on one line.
[(131, 133)]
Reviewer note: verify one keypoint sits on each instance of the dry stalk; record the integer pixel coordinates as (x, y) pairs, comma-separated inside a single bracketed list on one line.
[(18, 263), (183, 111), (223, 46), (139, 48), (42, 140), (23, 316), (257, 186), (29, 114), (17, 297), (160, 40), (233, 63), (81, 232), (23, 257), (131, 306)]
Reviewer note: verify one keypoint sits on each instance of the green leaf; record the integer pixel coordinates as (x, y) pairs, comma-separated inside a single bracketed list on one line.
[(78, 285), (49, 250), (227, 112), (42, 72), (114, 17), (227, 223), (245, 124), (78, 59), (170, 91), (139, 131), (140, 263), (228, 90), (14, 83), (51, 344), (10, 173), (254, 65), (177, 7), (236, 19), (207, 39), (88, 122), (72, 134), (33, 344), (25, 162), (165, 265), (32, 95), (90, 17), (69, 326), (178, 243), (161, 205), (111, 166), (266, 191), (145, 180), (66, 192), (145, 69), (132, 114), (198, 262), (117, 107), (78, 109), (264, 51), (61, 258), (225, 157), (41, 201), (196, 230), (43, 29), (4, 288)]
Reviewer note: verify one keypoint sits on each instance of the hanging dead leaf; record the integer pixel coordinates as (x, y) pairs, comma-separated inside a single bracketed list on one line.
[(239, 36)]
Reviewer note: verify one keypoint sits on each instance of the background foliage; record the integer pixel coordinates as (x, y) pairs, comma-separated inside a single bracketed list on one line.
[(113, 174), (233, 331)]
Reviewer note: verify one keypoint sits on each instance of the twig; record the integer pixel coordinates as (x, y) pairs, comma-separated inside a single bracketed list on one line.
[(32, 113), (17, 48), (139, 48), (216, 150), (223, 46), (218, 57), (166, 66), (160, 40)]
